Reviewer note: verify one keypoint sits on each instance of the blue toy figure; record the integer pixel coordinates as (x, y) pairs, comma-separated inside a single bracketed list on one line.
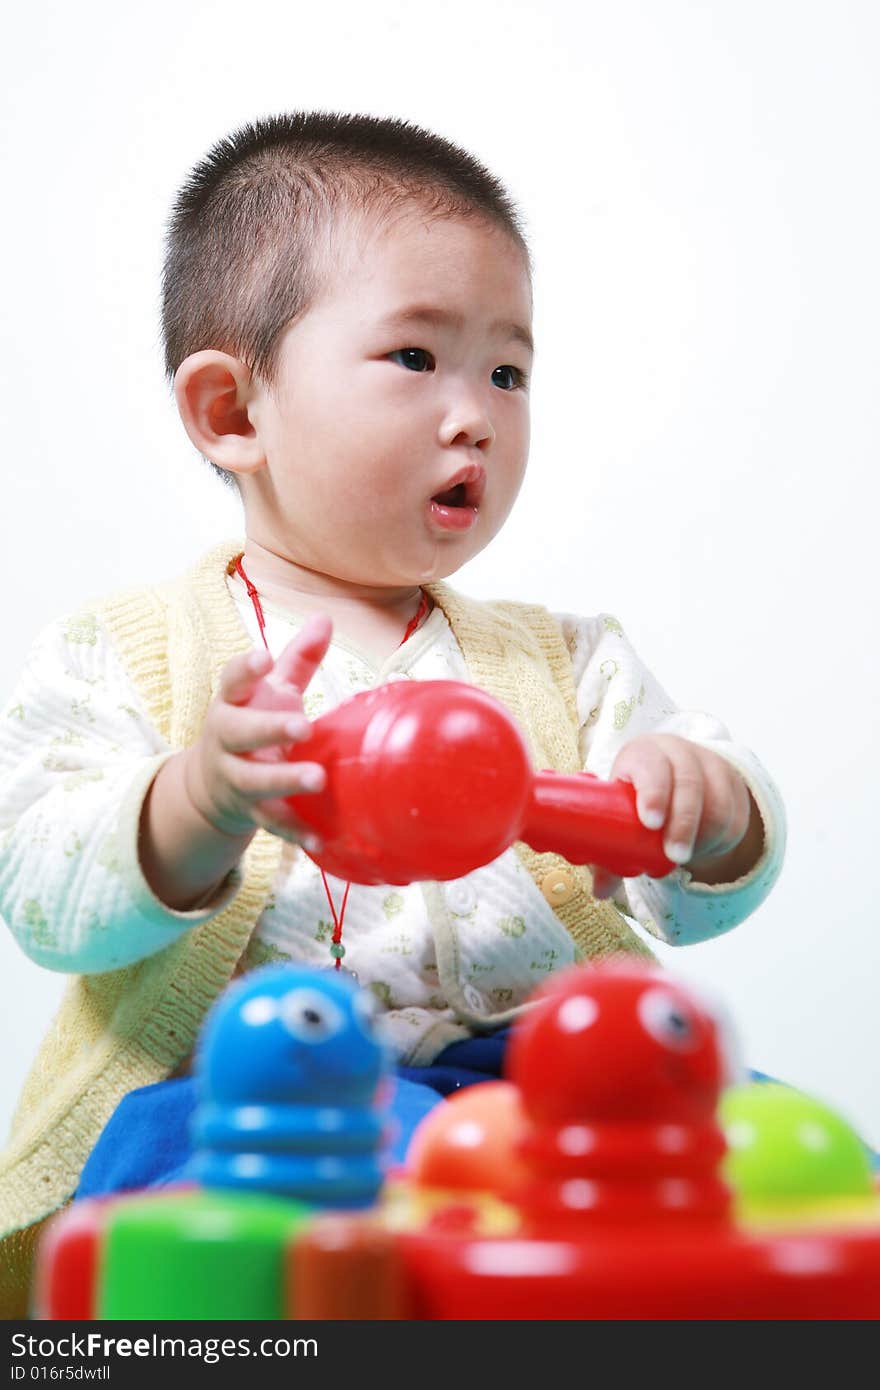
[(289, 1076)]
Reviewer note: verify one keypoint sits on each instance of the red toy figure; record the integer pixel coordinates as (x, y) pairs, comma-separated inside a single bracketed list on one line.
[(432, 779), (624, 1213), (619, 1074)]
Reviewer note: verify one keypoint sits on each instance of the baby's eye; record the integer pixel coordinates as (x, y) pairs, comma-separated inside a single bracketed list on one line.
[(418, 353), (519, 378), (413, 357)]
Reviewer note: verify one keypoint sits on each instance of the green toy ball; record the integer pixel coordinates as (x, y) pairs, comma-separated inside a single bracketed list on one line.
[(785, 1147)]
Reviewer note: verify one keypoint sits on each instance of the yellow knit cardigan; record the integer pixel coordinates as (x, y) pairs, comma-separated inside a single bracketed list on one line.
[(136, 1026)]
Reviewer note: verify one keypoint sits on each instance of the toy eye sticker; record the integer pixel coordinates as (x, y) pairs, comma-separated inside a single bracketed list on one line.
[(310, 1016), (366, 1010), (667, 1020)]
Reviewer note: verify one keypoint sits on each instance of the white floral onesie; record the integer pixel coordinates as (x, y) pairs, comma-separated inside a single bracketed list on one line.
[(78, 753)]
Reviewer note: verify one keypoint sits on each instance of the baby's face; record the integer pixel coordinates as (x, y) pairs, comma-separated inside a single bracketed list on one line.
[(369, 419)]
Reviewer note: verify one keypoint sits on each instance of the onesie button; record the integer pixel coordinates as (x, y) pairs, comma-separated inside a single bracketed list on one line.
[(558, 887), (474, 1000), (461, 898)]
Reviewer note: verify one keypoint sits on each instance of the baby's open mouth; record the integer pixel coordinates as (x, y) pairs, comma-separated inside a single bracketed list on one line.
[(453, 497), (456, 508)]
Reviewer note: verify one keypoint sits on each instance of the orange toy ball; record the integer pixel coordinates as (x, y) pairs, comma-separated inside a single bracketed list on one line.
[(470, 1141)]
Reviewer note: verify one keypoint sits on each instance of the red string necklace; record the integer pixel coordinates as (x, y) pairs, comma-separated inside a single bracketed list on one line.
[(337, 950)]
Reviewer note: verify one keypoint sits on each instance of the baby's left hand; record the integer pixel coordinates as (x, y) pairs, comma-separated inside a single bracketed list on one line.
[(701, 800)]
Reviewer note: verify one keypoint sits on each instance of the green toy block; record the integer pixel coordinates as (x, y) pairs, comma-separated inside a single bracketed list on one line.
[(197, 1254)]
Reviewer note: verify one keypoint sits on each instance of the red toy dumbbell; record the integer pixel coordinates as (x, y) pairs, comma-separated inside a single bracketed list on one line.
[(432, 779)]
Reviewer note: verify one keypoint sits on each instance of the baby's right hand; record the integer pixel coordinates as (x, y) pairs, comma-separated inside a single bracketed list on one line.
[(236, 774)]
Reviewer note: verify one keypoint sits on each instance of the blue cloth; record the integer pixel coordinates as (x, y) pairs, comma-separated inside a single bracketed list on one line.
[(146, 1141), (462, 1064)]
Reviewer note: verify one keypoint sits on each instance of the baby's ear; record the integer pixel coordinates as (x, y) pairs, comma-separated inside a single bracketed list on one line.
[(214, 393)]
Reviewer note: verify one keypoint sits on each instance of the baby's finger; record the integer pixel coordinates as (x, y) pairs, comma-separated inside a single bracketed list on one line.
[(255, 781), (246, 730), (725, 806), (276, 817), (648, 768), (301, 658), (241, 676), (686, 811), (605, 884)]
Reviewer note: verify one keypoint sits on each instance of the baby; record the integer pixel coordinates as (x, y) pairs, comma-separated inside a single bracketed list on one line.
[(347, 316)]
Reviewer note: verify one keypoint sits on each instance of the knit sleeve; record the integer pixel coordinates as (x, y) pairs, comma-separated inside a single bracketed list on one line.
[(78, 753), (618, 699)]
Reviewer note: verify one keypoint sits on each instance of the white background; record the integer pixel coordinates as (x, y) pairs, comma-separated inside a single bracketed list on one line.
[(699, 183)]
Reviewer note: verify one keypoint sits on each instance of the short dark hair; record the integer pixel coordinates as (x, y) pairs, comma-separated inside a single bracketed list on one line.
[(246, 239)]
